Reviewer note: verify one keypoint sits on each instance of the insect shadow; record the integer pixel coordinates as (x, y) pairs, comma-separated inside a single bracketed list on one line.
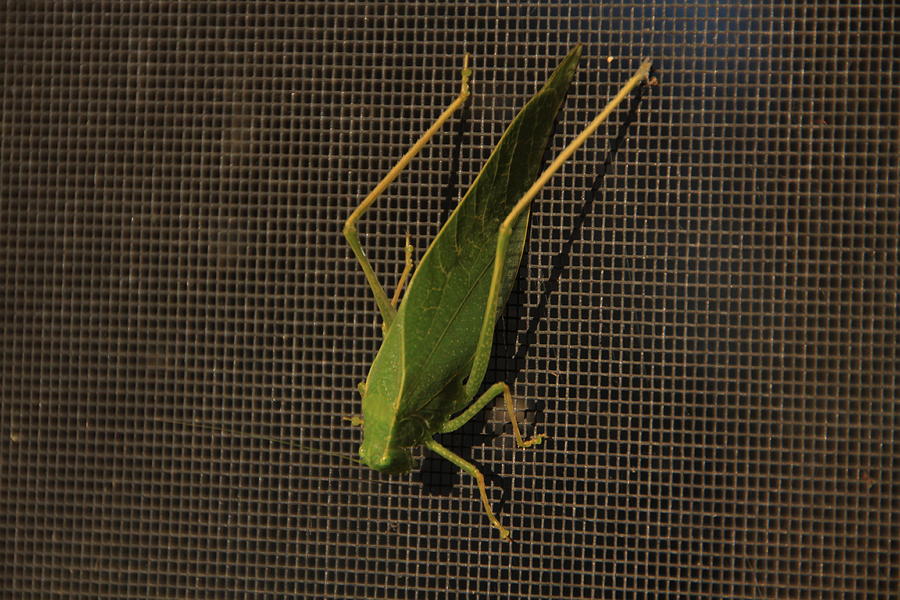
[(436, 475)]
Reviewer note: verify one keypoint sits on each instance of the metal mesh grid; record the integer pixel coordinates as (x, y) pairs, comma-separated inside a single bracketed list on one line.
[(704, 323)]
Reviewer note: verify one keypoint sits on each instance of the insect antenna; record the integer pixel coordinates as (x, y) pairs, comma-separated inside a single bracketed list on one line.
[(242, 431)]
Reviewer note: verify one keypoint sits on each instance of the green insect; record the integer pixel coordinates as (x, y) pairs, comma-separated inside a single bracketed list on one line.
[(437, 342)]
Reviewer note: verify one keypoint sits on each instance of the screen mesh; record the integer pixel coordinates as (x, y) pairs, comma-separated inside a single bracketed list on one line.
[(704, 324)]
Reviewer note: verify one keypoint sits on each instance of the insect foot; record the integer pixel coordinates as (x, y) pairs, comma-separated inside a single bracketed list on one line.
[(536, 440)]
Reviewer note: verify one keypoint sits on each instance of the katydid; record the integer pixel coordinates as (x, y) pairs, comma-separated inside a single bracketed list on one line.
[(437, 341)]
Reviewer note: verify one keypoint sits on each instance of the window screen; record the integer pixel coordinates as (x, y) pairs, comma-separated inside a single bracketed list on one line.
[(704, 323)]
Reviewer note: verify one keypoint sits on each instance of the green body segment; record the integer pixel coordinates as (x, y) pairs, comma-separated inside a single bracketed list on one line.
[(416, 381)]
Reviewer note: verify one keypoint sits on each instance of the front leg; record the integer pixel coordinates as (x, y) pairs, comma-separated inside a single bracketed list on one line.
[(479, 479)]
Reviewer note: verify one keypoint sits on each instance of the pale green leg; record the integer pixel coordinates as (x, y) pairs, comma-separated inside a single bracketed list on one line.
[(486, 337), (476, 406), (479, 479), (407, 269), (463, 418), (385, 306)]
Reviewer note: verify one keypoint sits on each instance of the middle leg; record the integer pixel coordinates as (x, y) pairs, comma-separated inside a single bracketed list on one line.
[(476, 406)]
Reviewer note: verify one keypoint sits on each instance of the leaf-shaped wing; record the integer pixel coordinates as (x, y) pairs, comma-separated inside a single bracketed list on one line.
[(444, 305)]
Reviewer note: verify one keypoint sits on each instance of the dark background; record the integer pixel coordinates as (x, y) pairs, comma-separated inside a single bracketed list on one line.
[(704, 325)]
